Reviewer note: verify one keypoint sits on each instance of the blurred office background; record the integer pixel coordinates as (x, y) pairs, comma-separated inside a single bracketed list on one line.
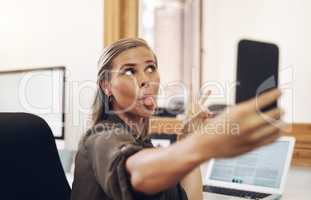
[(195, 40)]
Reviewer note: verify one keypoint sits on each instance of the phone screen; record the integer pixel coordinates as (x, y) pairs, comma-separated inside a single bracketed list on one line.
[(257, 70)]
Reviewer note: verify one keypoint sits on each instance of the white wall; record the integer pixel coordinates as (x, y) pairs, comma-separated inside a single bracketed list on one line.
[(56, 32), (284, 22)]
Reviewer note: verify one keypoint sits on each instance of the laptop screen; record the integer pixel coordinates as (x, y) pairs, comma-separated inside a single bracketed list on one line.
[(263, 167)]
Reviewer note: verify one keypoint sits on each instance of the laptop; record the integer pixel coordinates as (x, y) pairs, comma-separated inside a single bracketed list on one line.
[(259, 174)]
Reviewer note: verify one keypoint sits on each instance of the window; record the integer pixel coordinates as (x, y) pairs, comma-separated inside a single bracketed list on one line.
[(172, 28)]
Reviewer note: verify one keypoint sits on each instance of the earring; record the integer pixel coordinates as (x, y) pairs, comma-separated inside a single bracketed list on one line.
[(110, 98)]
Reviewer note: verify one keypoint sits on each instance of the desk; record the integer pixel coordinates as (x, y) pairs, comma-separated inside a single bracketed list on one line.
[(298, 184)]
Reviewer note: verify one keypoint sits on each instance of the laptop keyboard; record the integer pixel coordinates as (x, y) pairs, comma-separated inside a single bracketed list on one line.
[(235, 192)]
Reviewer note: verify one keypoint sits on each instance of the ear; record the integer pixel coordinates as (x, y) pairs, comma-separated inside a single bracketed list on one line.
[(106, 88)]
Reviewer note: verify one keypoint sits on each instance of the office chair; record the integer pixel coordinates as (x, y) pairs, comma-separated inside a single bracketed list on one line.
[(30, 167)]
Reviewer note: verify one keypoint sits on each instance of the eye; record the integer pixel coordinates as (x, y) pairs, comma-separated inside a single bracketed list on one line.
[(151, 68), (129, 72)]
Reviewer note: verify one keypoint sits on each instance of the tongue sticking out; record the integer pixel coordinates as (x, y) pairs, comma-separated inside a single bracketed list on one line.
[(150, 102)]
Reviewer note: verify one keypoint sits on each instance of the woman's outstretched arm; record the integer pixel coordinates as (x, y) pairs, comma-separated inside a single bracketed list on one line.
[(154, 170), (237, 131), (192, 184)]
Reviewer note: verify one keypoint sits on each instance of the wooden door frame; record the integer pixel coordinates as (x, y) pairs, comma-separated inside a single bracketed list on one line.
[(120, 19)]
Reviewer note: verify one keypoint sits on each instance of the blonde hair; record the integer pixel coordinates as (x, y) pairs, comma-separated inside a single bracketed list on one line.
[(101, 104)]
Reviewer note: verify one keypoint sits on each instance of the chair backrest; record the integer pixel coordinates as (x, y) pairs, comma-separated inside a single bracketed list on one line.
[(30, 166)]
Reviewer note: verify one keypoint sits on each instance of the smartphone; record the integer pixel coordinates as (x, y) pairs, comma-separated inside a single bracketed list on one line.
[(257, 70)]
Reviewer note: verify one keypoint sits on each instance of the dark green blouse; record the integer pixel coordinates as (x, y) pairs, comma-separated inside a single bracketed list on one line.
[(100, 172)]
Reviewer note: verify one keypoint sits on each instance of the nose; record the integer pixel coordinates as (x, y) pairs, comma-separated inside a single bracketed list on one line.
[(144, 80), (144, 83)]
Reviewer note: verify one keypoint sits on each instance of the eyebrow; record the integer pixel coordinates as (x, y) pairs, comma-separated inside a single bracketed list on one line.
[(134, 64), (149, 61), (128, 65)]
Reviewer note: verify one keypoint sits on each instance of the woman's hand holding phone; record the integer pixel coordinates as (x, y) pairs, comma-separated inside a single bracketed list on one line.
[(240, 128)]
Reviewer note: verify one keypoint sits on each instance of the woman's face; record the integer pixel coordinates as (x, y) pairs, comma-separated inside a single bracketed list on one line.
[(135, 82)]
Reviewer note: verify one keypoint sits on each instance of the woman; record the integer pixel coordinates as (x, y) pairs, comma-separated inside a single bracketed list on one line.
[(116, 160)]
